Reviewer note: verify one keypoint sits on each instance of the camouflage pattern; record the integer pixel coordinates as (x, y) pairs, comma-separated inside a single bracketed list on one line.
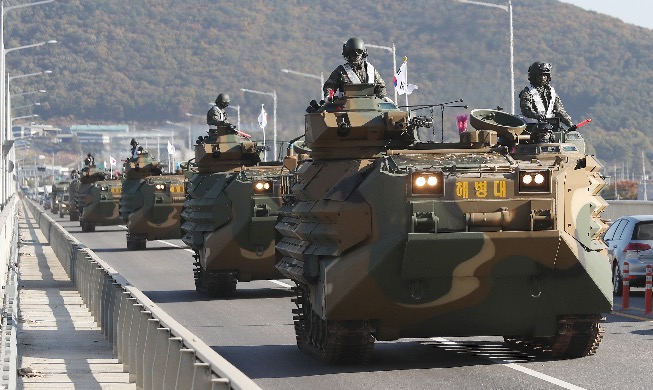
[(230, 212), (151, 202), (446, 239), (339, 78), (98, 200), (73, 190), (158, 216), (529, 110)]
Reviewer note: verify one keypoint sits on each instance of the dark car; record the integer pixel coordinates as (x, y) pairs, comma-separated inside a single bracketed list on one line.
[(630, 239)]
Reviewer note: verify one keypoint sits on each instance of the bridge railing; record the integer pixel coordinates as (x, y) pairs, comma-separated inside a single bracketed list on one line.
[(157, 351), (9, 287)]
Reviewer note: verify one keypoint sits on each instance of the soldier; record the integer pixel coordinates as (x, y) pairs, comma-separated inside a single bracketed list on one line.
[(134, 149), (216, 114), (89, 161), (539, 100), (356, 71)]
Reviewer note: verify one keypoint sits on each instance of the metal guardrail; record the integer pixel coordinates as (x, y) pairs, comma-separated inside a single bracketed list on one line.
[(157, 351), (9, 282)]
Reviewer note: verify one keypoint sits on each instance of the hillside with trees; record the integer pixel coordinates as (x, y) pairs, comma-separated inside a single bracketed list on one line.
[(147, 62)]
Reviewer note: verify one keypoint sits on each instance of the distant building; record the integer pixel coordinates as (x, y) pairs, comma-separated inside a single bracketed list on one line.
[(113, 129)]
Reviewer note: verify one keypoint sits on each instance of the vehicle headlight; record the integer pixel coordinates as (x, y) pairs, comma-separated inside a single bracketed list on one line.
[(539, 181), (263, 187), (427, 183), (104, 188), (160, 187)]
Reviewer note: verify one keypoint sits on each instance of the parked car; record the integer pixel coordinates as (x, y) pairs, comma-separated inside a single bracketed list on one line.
[(630, 239)]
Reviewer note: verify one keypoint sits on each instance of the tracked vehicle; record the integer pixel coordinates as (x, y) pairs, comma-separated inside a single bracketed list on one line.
[(230, 211), (151, 202), (97, 199), (496, 234)]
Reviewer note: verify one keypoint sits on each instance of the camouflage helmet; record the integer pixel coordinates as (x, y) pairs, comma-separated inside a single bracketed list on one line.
[(540, 68), (352, 46), (222, 100)]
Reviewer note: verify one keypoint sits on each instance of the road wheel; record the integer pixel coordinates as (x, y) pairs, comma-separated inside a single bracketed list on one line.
[(617, 280)]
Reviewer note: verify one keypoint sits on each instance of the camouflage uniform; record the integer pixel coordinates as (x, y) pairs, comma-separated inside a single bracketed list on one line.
[(215, 116), (529, 109), (339, 77), (540, 100)]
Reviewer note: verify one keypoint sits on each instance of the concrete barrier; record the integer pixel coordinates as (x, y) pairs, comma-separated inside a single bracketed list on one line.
[(9, 286), (157, 351)]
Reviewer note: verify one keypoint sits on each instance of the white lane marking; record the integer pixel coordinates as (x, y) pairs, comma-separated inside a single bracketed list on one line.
[(176, 246), (282, 284), (517, 367)]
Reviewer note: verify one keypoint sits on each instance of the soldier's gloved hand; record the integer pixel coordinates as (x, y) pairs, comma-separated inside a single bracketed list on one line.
[(572, 128), (329, 96)]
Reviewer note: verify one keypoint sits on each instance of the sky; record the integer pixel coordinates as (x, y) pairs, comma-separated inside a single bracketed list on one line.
[(638, 12)]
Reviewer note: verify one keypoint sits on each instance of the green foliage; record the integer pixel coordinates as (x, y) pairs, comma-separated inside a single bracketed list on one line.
[(122, 61)]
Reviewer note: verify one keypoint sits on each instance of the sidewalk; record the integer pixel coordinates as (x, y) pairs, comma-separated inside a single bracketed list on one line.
[(59, 344)]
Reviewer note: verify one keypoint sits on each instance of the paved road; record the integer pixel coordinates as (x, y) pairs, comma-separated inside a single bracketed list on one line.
[(254, 332)]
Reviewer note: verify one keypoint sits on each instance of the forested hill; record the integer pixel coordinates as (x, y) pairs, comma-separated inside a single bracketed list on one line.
[(124, 61)]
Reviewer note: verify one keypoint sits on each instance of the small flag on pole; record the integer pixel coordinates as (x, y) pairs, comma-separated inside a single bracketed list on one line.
[(171, 148), (112, 161), (401, 80), (263, 118)]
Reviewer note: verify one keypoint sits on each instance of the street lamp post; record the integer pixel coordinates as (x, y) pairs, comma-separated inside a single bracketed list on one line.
[(313, 76), (8, 94), (274, 115), (4, 182), (507, 8), (394, 58)]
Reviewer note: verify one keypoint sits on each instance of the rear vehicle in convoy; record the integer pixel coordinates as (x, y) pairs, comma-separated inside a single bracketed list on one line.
[(496, 234), (630, 239), (64, 205)]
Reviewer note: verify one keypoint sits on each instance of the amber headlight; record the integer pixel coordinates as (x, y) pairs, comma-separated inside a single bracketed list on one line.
[(427, 183), (535, 181), (263, 187)]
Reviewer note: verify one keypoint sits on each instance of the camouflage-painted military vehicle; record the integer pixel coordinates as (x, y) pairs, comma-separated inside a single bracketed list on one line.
[(64, 204), (97, 199), (58, 189), (151, 202), (73, 190), (231, 210), (497, 234)]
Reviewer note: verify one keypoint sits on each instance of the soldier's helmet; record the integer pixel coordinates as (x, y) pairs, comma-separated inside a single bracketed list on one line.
[(540, 68), (222, 101), (354, 47)]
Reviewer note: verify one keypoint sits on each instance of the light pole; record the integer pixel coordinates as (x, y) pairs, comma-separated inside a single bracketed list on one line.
[(4, 182), (8, 94), (26, 105), (29, 93), (507, 8), (274, 116), (394, 59), (313, 76)]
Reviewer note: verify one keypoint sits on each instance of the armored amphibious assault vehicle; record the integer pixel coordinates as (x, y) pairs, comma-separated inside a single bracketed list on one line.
[(151, 202), (230, 211), (58, 189), (97, 199), (496, 234)]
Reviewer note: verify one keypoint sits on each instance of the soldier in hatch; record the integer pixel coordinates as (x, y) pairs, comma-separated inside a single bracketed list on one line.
[(539, 100), (356, 71), (216, 114)]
